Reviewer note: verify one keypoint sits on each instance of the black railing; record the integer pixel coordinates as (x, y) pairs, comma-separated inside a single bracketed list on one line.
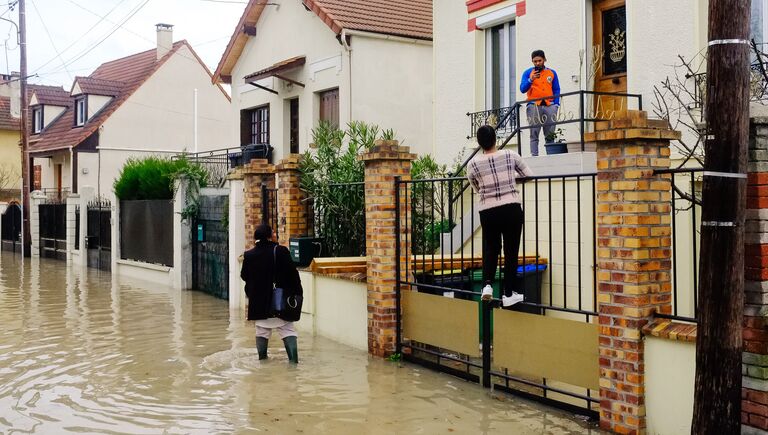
[(269, 213), (55, 195), (219, 162), (685, 198), (503, 119), (338, 218), (556, 264), (591, 107)]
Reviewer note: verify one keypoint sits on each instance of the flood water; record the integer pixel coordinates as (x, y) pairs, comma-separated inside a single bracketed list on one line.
[(84, 352)]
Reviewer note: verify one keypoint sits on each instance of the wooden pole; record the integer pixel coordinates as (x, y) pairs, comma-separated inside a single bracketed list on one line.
[(717, 397), (25, 163)]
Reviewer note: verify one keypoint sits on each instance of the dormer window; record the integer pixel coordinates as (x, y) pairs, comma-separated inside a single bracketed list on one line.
[(81, 110), (37, 119)]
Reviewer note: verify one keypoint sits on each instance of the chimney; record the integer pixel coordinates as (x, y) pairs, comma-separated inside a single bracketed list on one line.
[(164, 39)]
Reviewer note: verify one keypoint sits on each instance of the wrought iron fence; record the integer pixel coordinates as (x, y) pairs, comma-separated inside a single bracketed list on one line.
[(269, 213), (55, 195), (555, 270), (338, 219), (686, 185), (503, 119), (219, 162)]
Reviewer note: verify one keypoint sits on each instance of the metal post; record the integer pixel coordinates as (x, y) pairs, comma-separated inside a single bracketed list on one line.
[(398, 315), (581, 118), (264, 204), (486, 331)]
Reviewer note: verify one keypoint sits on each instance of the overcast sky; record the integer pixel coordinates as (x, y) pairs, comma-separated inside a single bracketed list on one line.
[(62, 34)]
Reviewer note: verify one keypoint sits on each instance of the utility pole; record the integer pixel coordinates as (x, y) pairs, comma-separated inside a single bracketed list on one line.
[(717, 397), (25, 166)]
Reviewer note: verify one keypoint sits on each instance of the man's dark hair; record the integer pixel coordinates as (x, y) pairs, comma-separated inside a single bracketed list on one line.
[(263, 232), (486, 137), (538, 53)]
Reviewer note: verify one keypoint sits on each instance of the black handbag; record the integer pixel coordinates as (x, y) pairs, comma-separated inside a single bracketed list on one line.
[(286, 304)]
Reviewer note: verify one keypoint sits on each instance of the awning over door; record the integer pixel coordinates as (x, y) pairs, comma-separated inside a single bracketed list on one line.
[(277, 70)]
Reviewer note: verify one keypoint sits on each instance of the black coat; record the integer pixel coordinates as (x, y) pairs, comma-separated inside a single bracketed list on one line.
[(258, 271)]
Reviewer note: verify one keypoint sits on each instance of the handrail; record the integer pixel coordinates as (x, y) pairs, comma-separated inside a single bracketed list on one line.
[(515, 108)]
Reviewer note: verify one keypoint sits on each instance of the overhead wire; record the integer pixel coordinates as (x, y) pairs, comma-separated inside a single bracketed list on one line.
[(114, 29), (87, 32), (50, 38)]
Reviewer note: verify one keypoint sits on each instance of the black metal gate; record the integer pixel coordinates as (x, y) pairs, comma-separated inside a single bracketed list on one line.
[(210, 247), (53, 231), (11, 229), (268, 208), (99, 236)]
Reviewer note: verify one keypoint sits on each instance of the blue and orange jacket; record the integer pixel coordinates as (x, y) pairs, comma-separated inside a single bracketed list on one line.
[(547, 84)]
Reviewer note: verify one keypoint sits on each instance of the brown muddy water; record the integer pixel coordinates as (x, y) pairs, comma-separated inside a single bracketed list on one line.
[(84, 352)]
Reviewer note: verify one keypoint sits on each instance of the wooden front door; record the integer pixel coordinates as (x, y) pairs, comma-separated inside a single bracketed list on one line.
[(609, 21)]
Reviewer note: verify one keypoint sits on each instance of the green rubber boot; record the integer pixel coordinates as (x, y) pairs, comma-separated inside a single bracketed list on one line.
[(292, 349), (261, 346)]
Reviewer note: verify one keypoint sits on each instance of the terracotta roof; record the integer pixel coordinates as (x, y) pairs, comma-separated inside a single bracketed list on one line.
[(132, 71), (277, 68), (410, 18), (7, 122), (94, 86), (407, 18), (52, 95)]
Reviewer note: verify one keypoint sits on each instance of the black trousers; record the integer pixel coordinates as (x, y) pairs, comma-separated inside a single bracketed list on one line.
[(505, 221)]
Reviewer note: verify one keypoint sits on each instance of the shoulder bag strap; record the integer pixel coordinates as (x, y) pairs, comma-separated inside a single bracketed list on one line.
[(274, 268)]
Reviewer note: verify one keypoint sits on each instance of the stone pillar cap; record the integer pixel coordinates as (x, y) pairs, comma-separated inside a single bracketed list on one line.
[(258, 166), (387, 150)]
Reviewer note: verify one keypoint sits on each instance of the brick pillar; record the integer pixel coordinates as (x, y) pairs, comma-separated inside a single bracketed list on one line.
[(291, 208), (255, 173), (754, 405), (383, 163), (633, 256)]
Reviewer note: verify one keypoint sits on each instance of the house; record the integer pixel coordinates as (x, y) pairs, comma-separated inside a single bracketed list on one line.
[(294, 63), (157, 102), (10, 152), (629, 47)]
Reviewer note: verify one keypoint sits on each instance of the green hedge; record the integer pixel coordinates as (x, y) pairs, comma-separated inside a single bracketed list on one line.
[(153, 177)]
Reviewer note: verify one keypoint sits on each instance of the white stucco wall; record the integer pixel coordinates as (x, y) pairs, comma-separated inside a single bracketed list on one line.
[(50, 113), (670, 369), (392, 88), (454, 77), (163, 107), (96, 103), (395, 95), (324, 54), (653, 42)]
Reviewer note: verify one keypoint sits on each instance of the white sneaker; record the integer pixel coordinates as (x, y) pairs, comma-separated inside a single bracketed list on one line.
[(487, 293), (508, 301)]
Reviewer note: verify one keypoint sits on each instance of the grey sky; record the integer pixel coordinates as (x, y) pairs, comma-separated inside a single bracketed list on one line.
[(206, 25)]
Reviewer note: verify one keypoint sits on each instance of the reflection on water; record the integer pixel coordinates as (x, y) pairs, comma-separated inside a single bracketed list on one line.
[(82, 351)]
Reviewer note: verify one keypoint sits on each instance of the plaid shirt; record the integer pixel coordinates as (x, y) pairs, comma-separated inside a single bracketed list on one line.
[(493, 177)]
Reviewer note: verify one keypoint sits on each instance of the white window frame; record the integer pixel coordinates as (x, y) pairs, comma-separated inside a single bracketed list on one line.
[(81, 107), (509, 88), (763, 19), (37, 120)]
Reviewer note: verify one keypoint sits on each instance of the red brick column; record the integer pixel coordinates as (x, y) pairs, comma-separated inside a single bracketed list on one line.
[(292, 211), (383, 163), (633, 256), (754, 405), (255, 173)]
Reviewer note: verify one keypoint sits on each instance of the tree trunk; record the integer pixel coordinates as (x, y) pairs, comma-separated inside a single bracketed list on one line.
[(717, 399)]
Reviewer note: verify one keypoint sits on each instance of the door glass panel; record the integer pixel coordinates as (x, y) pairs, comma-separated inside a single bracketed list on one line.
[(614, 41)]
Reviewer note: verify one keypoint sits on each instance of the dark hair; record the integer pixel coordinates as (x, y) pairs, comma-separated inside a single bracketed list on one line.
[(486, 137), (263, 232), (538, 53)]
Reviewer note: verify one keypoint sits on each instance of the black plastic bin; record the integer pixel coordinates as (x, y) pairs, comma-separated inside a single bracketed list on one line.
[(451, 279)]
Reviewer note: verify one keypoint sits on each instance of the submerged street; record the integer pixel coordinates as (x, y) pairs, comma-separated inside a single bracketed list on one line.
[(83, 352)]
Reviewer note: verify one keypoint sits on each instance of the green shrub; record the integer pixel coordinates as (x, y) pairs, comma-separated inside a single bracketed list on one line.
[(153, 177)]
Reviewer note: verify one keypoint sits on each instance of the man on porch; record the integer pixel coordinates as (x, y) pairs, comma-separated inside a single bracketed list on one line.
[(537, 83)]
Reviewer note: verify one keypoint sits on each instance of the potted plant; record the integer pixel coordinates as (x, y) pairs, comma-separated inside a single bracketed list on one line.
[(555, 142)]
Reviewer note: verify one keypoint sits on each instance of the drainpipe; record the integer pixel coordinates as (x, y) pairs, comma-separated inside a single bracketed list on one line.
[(348, 49), (194, 119), (72, 170)]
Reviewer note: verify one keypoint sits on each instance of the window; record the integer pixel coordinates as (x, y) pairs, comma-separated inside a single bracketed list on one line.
[(501, 84), (294, 125), (81, 111), (329, 107), (37, 119), (254, 126)]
